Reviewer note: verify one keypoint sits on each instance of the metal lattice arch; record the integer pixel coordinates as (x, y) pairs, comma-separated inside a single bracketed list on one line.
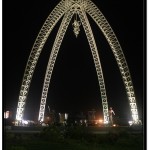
[(66, 9)]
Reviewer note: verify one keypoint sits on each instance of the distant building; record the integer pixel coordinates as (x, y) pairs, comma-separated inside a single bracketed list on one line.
[(7, 114), (63, 117), (91, 115), (52, 117)]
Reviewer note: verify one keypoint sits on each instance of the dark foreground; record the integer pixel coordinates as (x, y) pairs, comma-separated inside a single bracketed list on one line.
[(74, 138)]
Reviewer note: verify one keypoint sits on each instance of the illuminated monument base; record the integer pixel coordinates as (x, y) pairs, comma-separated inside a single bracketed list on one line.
[(67, 9)]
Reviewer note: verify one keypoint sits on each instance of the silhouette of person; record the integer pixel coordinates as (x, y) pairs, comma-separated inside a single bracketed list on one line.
[(111, 113)]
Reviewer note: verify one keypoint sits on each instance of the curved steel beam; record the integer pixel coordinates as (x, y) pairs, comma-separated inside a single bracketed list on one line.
[(92, 43), (104, 26), (80, 6), (57, 43), (46, 29)]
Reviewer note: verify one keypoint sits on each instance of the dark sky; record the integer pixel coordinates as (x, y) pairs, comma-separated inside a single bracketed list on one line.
[(74, 84)]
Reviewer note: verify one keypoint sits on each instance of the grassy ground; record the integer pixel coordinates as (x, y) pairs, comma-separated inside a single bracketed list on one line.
[(73, 139)]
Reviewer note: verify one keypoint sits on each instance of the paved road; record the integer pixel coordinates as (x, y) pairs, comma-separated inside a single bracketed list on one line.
[(93, 130)]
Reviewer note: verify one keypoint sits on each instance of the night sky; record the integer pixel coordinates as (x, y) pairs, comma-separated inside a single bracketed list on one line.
[(74, 84)]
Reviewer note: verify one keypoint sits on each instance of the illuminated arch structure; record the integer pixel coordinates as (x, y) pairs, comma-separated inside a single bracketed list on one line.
[(67, 9)]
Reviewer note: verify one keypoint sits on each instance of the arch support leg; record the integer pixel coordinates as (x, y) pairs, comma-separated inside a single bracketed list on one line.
[(57, 43), (46, 29), (104, 26), (97, 63)]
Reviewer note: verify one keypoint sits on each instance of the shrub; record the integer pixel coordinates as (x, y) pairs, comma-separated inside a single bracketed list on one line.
[(18, 148), (52, 133)]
